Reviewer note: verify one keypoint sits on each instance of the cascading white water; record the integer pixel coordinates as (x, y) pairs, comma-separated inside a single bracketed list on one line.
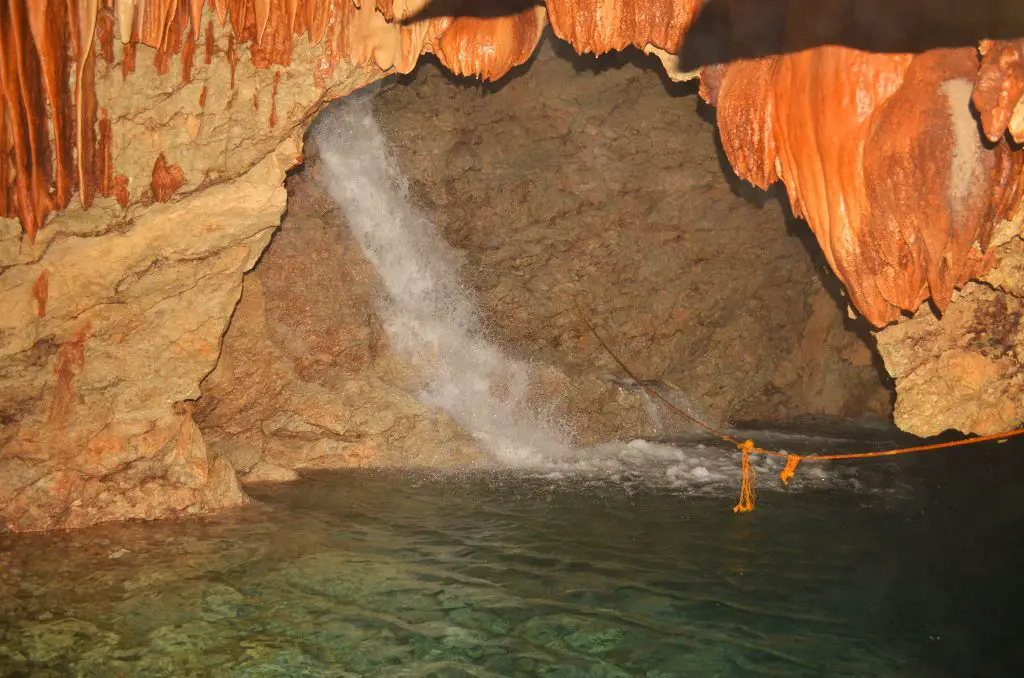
[(429, 315), (431, 320)]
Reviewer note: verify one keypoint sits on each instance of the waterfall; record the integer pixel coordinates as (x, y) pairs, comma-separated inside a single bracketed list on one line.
[(429, 314)]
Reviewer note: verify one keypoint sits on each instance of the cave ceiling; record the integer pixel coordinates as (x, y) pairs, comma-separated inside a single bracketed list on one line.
[(894, 126)]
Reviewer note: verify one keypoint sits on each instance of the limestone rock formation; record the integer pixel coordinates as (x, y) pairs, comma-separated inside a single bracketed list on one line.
[(965, 370), (305, 378), (612, 194), (866, 177), (111, 316), (50, 125), (107, 324)]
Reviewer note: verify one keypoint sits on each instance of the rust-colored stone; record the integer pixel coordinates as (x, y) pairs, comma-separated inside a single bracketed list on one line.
[(601, 27), (128, 61), (48, 22), (273, 99), (40, 292), (488, 47), (232, 58), (999, 90), (211, 46), (104, 169), (107, 182), (188, 53), (866, 177), (26, 113), (167, 179), (105, 36), (70, 361), (168, 41), (275, 40)]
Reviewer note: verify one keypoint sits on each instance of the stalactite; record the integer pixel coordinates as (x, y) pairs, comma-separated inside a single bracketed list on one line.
[(35, 69), (195, 16), (999, 92), (20, 78), (489, 48), (855, 173), (900, 190), (83, 20), (610, 25), (48, 22)]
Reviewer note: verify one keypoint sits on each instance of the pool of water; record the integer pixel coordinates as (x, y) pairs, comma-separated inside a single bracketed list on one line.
[(518, 573)]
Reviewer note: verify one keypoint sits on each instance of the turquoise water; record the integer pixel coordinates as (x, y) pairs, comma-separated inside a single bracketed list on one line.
[(371, 573)]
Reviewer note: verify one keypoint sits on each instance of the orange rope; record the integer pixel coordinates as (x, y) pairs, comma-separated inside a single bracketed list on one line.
[(747, 447), (650, 389), (747, 493)]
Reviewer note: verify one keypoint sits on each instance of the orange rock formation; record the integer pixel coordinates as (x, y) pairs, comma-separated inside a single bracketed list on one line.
[(881, 155), (879, 152), (47, 126)]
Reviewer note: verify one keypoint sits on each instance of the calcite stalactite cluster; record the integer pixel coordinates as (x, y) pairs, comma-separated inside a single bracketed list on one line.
[(54, 137), (41, 117), (481, 46), (611, 25), (881, 154), (865, 142)]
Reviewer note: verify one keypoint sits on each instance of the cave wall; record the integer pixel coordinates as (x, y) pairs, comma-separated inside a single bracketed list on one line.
[(591, 181), (548, 199), (305, 378), (111, 316)]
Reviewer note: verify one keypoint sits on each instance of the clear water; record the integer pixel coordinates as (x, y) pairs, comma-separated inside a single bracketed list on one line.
[(380, 573)]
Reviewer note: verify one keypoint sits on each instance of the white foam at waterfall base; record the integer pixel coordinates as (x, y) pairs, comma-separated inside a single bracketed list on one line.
[(429, 314)]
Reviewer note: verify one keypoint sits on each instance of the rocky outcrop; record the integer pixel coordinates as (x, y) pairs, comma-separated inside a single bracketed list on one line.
[(108, 324), (305, 378), (110, 317), (963, 370)]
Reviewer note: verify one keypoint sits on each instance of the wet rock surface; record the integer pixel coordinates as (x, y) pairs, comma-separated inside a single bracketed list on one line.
[(584, 180), (305, 377), (562, 185)]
